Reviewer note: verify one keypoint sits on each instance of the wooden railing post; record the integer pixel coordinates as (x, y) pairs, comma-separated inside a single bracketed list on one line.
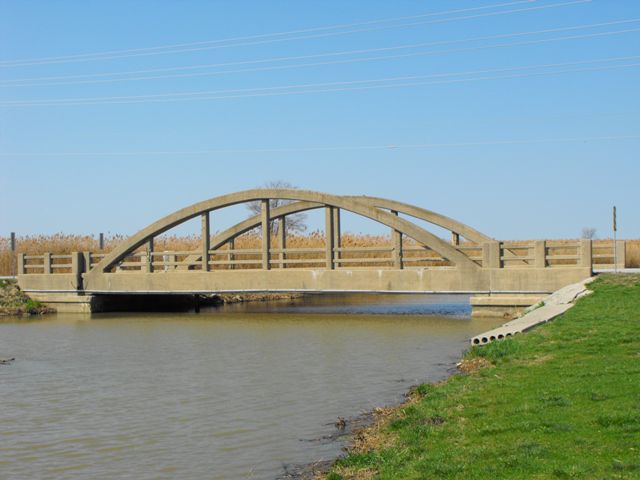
[(397, 246), (540, 254), (282, 233), (328, 230), (586, 253), (46, 263), (206, 241), (21, 264), (265, 216), (491, 255)]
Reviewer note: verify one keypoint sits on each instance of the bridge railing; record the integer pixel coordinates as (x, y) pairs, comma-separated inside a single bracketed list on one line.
[(545, 254), (507, 254)]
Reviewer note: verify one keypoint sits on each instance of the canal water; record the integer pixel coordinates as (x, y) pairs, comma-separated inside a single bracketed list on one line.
[(243, 391)]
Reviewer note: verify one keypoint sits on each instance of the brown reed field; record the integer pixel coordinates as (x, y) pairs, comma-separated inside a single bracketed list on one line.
[(374, 248)]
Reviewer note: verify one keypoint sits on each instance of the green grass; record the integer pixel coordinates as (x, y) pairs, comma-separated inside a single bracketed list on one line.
[(562, 401)]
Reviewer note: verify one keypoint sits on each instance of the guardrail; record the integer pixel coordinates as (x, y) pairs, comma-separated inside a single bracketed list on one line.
[(507, 254)]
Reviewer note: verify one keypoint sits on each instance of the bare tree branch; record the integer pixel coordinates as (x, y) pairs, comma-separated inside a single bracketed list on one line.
[(296, 222), (589, 233)]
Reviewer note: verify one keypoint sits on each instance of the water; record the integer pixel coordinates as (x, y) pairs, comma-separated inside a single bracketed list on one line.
[(240, 392)]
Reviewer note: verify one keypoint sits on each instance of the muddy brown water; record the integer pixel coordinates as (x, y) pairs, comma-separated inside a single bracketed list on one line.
[(242, 391)]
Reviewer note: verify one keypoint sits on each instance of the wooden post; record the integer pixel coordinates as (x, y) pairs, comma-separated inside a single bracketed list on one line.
[(540, 254), (21, 264), (397, 246), (337, 241), (149, 267), (282, 233), (328, 233), (586, 253), (455, 239), (46, 261), (206, 241), (13, 250), (101, 241), (265, 216)]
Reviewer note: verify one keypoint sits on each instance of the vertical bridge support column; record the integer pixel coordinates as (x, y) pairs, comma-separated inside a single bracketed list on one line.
[(328, 232), (397, 246), (149, 259), (455, 239), (265, 217), (282, 233), (206, 240)]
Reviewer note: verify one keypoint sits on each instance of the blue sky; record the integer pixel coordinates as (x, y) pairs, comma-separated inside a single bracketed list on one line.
[(528, 135)]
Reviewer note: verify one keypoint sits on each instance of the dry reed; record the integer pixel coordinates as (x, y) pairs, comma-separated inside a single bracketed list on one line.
[(313, 244)]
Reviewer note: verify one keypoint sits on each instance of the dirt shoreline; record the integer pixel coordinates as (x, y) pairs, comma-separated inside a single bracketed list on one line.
[(363, 431), (14, 302)]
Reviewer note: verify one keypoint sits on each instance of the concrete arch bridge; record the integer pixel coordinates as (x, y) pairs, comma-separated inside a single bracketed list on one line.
[(500, 274)]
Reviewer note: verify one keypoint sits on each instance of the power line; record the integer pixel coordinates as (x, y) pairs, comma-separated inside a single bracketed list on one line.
[(92, 57), (251, 37), (342, 62), (320, 87), (24, 82), (331, 148)]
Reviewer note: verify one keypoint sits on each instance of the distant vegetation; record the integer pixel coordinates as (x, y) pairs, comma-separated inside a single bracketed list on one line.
[(63, 244)]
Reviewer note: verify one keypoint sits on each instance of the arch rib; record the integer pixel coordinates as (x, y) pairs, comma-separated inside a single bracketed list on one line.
[(352, 204), (443, 221)]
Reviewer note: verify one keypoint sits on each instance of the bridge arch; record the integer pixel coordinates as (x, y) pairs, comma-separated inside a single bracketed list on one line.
[(411, 210), (369, 207)]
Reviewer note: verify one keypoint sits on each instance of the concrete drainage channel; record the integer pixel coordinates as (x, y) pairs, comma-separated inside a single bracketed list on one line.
[(549, 308)]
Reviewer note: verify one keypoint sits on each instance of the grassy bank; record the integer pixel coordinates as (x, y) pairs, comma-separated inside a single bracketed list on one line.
[(562, 401), (15, 302)]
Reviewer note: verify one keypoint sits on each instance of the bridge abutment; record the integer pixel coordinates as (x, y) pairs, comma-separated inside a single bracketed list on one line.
[(505, 305)]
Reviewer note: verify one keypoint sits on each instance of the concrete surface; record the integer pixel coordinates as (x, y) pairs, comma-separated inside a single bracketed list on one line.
[(550, 307)]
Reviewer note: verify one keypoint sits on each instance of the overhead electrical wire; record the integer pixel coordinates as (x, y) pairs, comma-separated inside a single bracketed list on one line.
[(330, 148), (338, 62), (171, 50), (329, 86), (78, 79)]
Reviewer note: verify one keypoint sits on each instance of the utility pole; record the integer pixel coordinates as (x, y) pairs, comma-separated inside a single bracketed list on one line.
[(615, 241), (13, 253)]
